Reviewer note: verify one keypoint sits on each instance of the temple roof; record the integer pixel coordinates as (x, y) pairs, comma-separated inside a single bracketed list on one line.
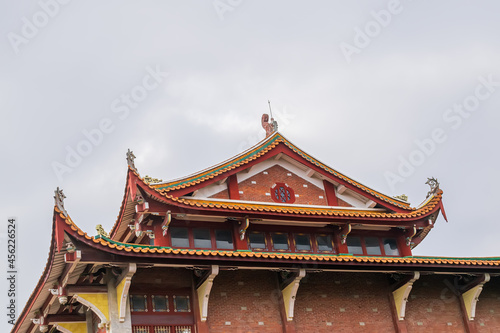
[(266, 147)]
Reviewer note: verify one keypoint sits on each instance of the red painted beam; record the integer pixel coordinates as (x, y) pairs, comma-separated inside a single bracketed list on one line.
[(232, 187), (331, 197)]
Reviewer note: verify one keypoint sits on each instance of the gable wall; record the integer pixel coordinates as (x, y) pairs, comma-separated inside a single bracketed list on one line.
[(256, 187)]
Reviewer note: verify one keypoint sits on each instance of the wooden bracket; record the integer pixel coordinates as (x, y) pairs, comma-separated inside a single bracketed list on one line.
[(203, 291), (471, 294), (243, 228), (166, 223), (344, 231), (122, 285), (289, 292), (410, 234), (401, 293)]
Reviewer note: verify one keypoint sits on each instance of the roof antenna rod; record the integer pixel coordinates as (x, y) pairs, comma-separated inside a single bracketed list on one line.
[(270, 111)]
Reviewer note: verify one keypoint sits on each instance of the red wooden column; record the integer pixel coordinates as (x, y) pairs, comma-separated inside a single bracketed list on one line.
[(201, 326), (331, 197)]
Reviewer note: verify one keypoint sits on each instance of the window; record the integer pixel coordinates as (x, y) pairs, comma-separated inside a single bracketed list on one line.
[(280, 241), (224, 239), (257, 241), (372, 246), (181, 304), (324, 243), (202, 238), (354, 245), (391, 247), (138, 303), (180, 237), (302, 242), (282, 193), (160, 303)]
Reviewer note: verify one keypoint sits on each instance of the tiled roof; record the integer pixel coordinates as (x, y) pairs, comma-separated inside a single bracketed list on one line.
[(305, 210), (259, 150), (106, 244)]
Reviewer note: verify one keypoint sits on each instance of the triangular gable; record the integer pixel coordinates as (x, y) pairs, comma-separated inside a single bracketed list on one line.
[(274, 147)]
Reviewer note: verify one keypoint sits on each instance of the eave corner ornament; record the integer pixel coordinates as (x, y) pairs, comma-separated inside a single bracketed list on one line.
[(100, 231), (151, 180), (269, 126), (403, 197), (434, 184), (130, 160), (59, 200)]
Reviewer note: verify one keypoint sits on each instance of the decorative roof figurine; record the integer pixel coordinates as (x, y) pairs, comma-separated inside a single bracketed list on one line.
[(271, 126), (100, 231), (130, 159), (434, 184), (59, 200)]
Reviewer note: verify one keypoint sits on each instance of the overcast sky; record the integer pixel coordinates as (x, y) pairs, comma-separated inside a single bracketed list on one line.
[(388, 92)]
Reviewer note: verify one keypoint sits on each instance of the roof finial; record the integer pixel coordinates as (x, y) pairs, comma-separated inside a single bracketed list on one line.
[(434, 184), (272, 126), (130, 159), (100, 231), (59, 199)]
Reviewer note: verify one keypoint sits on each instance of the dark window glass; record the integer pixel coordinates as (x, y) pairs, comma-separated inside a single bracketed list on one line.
[(302, 242), (179, 237), (160, 303), (354, 245), (202, 238), (324, 243), (280, 241), (391, 247), (372, 246), (282, 194), (257, 240), (138, 303), (181, 304), (224, 239)]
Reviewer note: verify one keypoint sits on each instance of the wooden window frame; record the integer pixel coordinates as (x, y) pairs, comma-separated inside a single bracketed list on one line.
[(332, 243), (294, 242), (287, 241), (266, 247), (381, 245)]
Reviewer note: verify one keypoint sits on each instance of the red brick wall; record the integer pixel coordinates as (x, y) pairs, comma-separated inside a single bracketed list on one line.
[(343, 302), (488, 307), (246, 299), (432, 307), (309, 195)]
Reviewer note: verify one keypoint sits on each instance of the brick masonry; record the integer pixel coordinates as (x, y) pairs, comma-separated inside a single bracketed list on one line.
[(343, 302), (433, 307), (243, 302), (488, 307), (256, 187)]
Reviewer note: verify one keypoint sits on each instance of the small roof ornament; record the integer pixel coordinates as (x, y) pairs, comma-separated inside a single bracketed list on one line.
[(130, 159), (100, 231), (269, 126), (59, 200), (434, 184)]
